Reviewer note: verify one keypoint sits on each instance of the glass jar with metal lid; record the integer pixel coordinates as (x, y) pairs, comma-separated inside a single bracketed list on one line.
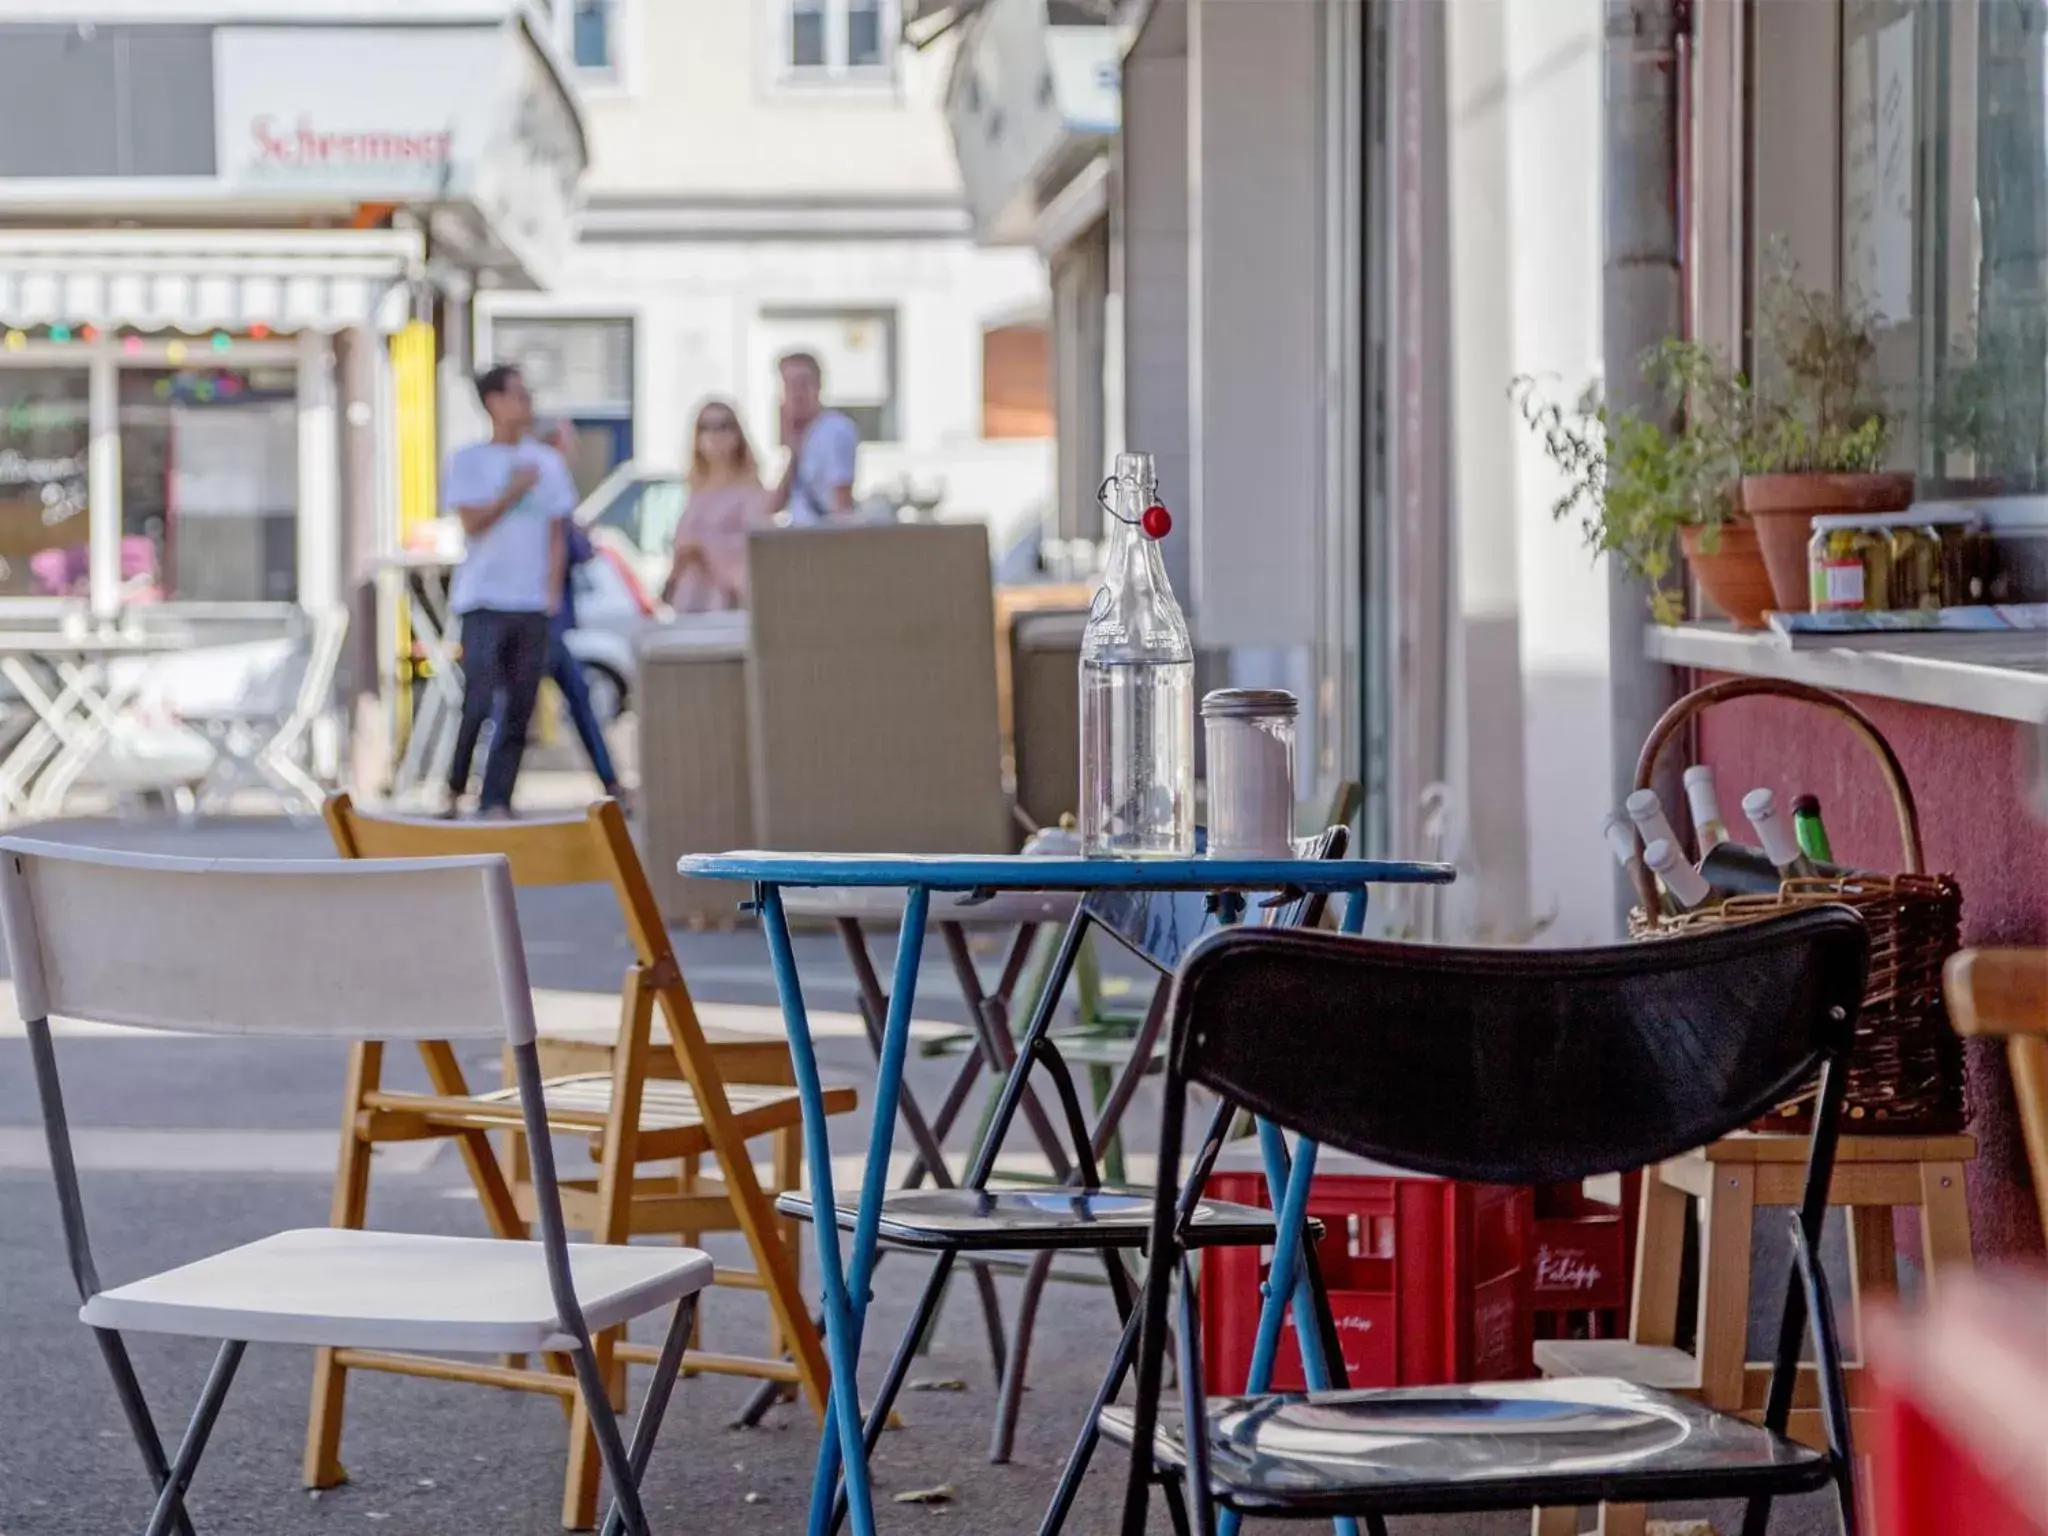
[(1848, 563), (1250, 737)]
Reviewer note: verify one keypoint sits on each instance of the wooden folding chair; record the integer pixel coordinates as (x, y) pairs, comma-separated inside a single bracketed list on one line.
[(2004, 993), (640, 1108)]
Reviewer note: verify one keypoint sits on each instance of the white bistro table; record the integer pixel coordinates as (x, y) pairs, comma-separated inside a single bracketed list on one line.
[(72, 685)]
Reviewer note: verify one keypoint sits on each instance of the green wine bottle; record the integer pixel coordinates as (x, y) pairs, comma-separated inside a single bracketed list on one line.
[(1807, 827)]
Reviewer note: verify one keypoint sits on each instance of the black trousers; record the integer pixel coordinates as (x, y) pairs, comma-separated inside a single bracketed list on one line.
[(504, 657)]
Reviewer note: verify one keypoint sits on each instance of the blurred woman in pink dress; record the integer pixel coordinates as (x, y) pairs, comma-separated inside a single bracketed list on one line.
[(727, 501)]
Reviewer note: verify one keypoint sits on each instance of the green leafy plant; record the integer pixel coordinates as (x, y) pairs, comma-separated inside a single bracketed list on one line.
[(1632, 482), (1819, 412)]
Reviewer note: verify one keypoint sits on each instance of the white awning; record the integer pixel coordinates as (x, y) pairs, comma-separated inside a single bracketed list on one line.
[(199, 280)]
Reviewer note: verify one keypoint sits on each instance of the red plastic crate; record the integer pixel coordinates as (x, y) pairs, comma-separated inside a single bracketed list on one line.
[(1582, 1262), (1427, 1279)]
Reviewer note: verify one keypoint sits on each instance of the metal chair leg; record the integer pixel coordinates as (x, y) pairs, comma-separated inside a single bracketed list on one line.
[(170, 1502), (1003, 1436), (899, 1367), (1076, 1466), (136, 1410), (654, 1406)]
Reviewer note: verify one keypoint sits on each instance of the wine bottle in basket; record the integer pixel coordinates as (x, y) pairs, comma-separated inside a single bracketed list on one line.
[(1807, 829), (1684, 887), (1705, 801), (1621, 838), (1647, 812), (1781, 846), (1735, 869)]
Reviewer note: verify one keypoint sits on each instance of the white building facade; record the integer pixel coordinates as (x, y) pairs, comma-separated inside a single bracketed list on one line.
[(770, 176), (217, 213)]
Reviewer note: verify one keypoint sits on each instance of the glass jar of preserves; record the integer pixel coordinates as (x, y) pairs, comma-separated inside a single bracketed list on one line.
[(1916, 560), (1848, 565)]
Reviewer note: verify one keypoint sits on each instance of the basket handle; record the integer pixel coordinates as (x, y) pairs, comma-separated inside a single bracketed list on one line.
[(1702, 699)]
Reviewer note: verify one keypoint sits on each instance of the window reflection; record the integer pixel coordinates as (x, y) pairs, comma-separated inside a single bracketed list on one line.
[(1945, 230), (209, 483), (44, 438)]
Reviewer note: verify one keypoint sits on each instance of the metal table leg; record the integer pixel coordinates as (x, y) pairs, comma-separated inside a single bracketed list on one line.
[(847, 1301), (842, 1434)]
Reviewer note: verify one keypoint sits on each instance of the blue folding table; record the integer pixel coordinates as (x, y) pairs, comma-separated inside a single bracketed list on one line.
[(844, 1277)]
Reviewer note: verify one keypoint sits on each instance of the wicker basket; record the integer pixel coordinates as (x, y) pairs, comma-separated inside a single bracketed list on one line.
[(1906, 1071)]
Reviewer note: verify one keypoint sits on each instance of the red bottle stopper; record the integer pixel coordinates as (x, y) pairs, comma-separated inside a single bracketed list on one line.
[(1157, 522)]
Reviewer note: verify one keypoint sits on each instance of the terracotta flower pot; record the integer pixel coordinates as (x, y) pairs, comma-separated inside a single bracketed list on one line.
[(1783, 508), (1733, 574)]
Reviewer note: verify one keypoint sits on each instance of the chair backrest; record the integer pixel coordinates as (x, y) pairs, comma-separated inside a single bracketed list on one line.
[(1159, 927), (422, 949), (871, 691), (320, 654), (1519, 1066), (594, 848)]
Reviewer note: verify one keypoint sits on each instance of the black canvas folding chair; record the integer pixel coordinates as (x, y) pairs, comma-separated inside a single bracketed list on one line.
[(1513, 1067), (389, 949), (1081, 1215)]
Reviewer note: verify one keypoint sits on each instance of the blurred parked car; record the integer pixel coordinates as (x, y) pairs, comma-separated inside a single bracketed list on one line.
[(635, 511)]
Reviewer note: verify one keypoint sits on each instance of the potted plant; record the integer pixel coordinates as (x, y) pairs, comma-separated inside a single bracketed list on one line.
[(1817, 440), (1642, 489)]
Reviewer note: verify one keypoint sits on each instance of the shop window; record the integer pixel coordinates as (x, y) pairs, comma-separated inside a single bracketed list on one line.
[(1016, 382), (827, 40), (856, 353), (1944, 178), (44, 436), (210, 481)]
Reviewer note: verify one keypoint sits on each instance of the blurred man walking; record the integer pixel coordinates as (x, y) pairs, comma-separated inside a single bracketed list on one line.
[(514, 497)]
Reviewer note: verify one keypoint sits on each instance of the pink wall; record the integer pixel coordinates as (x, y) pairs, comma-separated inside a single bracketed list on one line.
[(1966, 773)]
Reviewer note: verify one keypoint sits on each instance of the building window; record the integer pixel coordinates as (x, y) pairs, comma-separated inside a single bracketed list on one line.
[(826, 40), (580, 371), (1944, 174), (1016, 381), (856, 353), (590, 35), (45, 432), (590, 27), (210, 482)]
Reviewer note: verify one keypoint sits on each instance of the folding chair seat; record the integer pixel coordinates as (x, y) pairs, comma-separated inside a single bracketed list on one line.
[(1527, 1067), (1491, 1445), (658, 1100), (396, 1290), (671, 1121), (400, 949), (1043, 1218)]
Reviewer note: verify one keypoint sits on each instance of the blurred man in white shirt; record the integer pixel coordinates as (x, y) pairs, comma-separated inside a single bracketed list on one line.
[(822, 444), (514, 496)]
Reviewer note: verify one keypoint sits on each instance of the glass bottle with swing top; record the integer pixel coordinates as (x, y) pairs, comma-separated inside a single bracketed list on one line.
[(1137, 687)]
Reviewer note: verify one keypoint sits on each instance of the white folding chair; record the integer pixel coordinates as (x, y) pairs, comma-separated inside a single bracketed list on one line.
[(388, 949), (276, 690)]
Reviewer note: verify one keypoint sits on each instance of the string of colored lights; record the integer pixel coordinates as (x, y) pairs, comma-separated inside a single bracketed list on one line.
[(132, 342)]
